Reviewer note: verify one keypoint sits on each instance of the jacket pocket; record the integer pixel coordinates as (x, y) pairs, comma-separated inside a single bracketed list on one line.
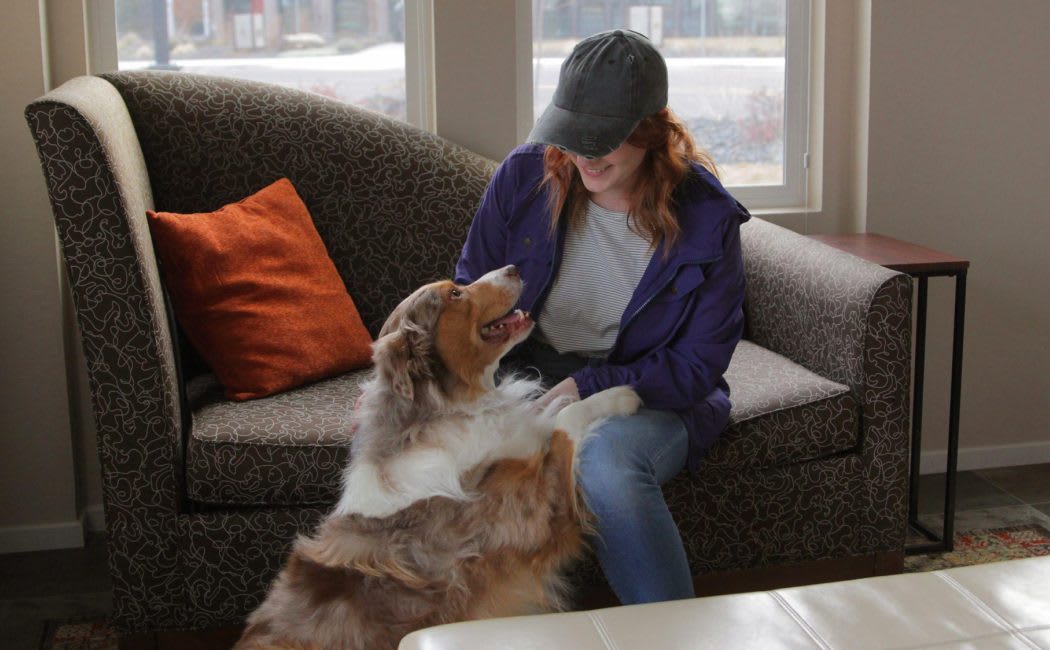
[(685, 281)]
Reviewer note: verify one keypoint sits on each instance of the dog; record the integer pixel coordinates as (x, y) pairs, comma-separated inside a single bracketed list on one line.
[(460, 500)]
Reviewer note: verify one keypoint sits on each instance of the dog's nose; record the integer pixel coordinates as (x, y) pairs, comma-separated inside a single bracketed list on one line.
[(511, 271)]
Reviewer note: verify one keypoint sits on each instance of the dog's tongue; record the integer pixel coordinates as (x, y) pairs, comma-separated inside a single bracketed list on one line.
[(503, 327)]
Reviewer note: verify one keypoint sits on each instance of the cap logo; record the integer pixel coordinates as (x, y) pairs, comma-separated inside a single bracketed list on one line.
[(589, 141)]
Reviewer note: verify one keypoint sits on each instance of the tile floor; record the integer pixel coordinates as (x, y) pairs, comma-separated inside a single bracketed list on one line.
[(989, 498), (36, 587)]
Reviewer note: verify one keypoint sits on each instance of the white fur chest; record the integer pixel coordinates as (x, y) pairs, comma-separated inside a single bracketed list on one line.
[(503, 424)]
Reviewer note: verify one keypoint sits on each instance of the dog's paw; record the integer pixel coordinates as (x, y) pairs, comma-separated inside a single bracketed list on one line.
[(576, 418), (621, 400)]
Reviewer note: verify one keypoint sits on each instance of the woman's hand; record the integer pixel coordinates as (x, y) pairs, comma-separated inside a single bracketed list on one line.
[(560, 395)]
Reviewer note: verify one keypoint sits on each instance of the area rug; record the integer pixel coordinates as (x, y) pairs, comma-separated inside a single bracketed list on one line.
[(973, 547), (79, 635), (983, 546)]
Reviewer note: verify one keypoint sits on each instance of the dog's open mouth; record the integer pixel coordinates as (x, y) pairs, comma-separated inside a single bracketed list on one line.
[(501, 329)]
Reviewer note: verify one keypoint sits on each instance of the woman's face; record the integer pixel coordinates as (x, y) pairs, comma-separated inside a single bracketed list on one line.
[(611, 178)]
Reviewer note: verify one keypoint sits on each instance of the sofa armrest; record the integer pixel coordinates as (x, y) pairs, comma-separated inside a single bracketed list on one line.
[(839, 316), (99, 191), (848, 320)]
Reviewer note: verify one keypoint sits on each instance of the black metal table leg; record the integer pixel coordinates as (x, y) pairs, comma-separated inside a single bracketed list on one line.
[(953, 410), (916, 404), (946, 540)]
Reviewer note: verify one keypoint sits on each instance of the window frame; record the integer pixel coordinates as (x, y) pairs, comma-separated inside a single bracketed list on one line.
[(793, 192), (422, 106)]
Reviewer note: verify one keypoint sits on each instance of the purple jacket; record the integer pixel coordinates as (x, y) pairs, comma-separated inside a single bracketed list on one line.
[(682, 323)]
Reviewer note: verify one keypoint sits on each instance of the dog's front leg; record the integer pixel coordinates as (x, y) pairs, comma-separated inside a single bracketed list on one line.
[(578, 418), (523, 497)]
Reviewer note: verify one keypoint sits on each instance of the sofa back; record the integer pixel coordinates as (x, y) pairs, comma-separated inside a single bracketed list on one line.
[(392, 203)]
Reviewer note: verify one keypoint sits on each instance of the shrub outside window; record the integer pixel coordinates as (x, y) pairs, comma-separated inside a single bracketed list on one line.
[(738, 75)]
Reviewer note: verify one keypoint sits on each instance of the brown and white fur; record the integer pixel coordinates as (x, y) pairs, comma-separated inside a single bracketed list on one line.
[(460, 500)]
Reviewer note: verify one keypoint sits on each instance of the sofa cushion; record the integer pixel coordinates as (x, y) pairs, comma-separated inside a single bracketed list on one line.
[(287, 449), (782, 413), (291, 448)]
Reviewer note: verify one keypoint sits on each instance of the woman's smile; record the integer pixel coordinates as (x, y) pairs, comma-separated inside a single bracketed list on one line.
[(611, 178), (595, 171)]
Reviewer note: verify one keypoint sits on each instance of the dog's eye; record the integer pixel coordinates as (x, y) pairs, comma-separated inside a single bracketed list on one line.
[(455, 293)]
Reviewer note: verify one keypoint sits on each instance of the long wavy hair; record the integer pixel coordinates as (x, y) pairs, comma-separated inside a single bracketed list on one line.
[(651, 213)]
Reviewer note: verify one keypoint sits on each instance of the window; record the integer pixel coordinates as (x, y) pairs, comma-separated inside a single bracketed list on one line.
[(350, 50), (738, 74)]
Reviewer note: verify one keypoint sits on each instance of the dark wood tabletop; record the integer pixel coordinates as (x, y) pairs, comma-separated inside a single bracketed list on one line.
[(894, 253)]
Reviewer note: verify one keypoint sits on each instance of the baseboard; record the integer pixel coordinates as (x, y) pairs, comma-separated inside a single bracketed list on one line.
[(970, 458), (94, 519), (42, 537)]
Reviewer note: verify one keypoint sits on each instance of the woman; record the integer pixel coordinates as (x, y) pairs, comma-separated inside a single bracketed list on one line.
[(630, 251)]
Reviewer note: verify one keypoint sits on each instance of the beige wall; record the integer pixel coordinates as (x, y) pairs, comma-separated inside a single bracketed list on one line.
[(37, 485), (959, 160)]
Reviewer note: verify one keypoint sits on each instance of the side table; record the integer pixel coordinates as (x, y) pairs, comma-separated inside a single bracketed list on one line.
[(922, 263)]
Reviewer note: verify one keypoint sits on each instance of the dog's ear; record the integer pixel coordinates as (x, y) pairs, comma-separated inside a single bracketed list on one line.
[(402, 353), (400, 359)]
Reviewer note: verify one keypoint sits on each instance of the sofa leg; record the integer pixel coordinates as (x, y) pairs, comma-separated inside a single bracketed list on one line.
[(889, 563), (802, 573)]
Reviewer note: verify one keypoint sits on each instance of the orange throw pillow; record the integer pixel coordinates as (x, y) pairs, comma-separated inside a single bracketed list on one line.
[(257, 294)]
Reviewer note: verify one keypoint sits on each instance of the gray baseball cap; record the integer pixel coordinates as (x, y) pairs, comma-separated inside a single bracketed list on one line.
[(607, 85)]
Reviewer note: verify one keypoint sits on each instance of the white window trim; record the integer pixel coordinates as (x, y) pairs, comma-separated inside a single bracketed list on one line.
[(792, 194), (419, 64), (100, 20)]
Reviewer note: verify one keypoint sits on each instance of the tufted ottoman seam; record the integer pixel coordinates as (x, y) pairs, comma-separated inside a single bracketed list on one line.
[(987, 609), (1022, 633), (977, 602), (970, 641), (602, 632), (801, 621)]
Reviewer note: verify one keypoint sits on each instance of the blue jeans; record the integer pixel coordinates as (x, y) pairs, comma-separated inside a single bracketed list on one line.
[(621, 469)]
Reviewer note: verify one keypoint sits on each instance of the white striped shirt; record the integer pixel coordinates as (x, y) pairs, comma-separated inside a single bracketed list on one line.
[(602, 263)]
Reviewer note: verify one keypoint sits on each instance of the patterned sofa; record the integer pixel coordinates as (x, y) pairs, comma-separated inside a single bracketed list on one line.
[(202, 496)]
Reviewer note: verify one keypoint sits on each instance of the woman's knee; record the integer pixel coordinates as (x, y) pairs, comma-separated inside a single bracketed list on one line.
[(610, 472), (636, 452)]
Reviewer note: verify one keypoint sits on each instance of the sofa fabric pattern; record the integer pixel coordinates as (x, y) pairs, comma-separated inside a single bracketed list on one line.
[(227, 560), (201, 507)]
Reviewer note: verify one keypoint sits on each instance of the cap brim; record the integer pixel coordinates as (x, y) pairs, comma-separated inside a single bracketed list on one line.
[(588, 135)]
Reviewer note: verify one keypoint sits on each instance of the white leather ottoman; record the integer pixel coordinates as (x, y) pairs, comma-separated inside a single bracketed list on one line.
[(998, 605)]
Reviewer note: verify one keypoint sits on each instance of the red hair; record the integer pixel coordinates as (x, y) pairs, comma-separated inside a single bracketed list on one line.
[(651, 213)]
